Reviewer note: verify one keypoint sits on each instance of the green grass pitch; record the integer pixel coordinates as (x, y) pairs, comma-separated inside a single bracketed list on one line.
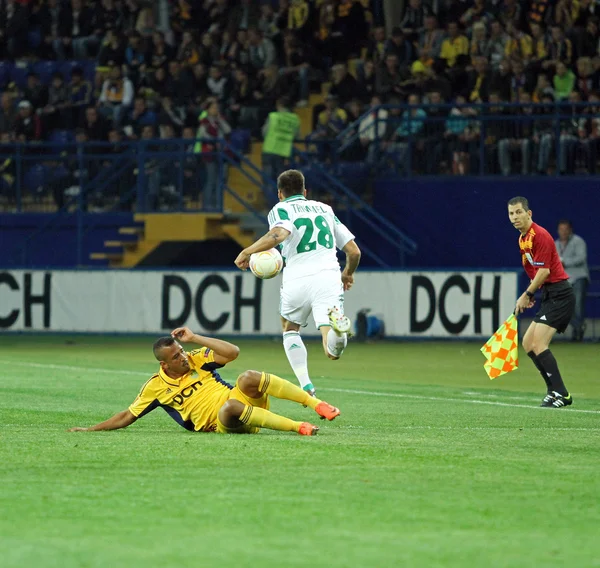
[(430, 464)]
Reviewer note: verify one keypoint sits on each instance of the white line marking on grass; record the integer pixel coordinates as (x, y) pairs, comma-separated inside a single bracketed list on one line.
[(444, 399), (347, 391)]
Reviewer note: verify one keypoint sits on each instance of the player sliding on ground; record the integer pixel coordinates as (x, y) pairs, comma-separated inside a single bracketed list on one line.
[(309, 233), (191, 391)]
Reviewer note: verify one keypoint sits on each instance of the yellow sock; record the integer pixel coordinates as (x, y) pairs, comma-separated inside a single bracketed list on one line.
[(261, 418), (280, 388)]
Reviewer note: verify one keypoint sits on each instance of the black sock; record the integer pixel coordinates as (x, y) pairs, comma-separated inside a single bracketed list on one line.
[(539, 367), (549, 364)]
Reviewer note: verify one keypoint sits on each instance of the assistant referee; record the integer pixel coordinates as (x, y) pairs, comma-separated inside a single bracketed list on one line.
[(544, 268)]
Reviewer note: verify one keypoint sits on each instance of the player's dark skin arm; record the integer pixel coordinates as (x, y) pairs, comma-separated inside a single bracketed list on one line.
[(120, 420), (273, 238), (224, 351), (525, 301), (352, 260)]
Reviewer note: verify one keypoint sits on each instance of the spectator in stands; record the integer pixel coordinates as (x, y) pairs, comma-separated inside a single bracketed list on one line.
[(586, 81), (106, 17), (413, 22), (376, 46), (521, 134), (243, 104), (54, 28), (519, 45), (519, 82), (95, 125), (280, 130), (407, 139), (218, 84), (589, 40), (501, 80), (496, 127), (455, 45), (474, 15), (56, 113), (80, 95), (389, 78), (267, 23), (542, 88), (559, 49), (298, 17), (590, 138), (511, 13), (160, 52), (35, 92), (169, 114), (8, 167), (296, 65), (343, 85), (433, 132), (496, 46), (27, 126), (245, 15), (80, 32), (462, 135), (199, 78), (571, 130), (479, 80), (564, 81), (544, 132), (116, 97), (261, 50), (431, 37), (572, 251), (14, 17), (112, 51), (372, 129), (350, 29), (139, 116), (135, 57), (367, 80), (212, 126), (189, 51), (8, 112), (399, 46), (180, 84)]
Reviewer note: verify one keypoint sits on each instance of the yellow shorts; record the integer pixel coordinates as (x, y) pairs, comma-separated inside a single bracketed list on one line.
[(237, 394)]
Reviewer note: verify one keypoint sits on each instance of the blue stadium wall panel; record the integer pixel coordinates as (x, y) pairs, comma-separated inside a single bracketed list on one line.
[(463, 222), (50, 240)]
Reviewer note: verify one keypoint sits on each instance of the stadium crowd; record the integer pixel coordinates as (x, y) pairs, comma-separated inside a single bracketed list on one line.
[(113, 70)]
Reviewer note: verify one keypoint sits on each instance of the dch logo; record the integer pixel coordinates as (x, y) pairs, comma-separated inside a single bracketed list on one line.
[(186, 393)]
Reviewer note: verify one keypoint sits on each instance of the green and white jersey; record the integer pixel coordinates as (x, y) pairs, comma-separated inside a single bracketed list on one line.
[(315, 233)]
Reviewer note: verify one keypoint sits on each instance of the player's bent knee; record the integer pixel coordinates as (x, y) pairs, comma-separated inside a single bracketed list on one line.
[(249, 379), (231, 411)]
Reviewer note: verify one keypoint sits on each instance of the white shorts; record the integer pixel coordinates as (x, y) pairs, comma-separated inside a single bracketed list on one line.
[(317, 294)]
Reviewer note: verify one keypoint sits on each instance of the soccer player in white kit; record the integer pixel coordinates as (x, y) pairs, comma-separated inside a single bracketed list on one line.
[(309, 233)]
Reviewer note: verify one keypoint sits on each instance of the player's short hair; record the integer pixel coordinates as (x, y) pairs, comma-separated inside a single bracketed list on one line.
[(566, 222), (160, 345), (520, 200), (291, 182)]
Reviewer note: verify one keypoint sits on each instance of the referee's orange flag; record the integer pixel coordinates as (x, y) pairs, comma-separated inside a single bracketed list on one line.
[(502, 349)]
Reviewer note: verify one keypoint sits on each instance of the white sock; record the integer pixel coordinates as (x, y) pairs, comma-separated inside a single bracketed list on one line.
[(336, 343), (297, 356)]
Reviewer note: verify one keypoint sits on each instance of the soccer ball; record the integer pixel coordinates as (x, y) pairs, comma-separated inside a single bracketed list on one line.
[(266, 264)]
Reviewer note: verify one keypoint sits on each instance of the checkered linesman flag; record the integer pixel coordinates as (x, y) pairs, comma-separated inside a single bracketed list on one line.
[(502, 349)]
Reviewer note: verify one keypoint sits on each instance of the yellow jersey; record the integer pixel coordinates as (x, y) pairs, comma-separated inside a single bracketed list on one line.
[(193, 400)]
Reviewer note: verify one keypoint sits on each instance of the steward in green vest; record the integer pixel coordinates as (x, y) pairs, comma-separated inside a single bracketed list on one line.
[(280, 130)]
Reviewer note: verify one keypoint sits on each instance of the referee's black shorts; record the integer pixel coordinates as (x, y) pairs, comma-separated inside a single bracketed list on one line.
[(558, 305)]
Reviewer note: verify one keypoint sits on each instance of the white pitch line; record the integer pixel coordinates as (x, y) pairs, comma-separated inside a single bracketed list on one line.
[(347, 391)]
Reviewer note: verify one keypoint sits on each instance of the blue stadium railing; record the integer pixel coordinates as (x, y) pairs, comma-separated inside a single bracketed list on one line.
[(145, 176), (561, 138)]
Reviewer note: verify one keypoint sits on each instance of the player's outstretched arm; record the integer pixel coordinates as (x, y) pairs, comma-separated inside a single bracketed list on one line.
[(352, 261), (273, 238), (223, 350), (120, 420)]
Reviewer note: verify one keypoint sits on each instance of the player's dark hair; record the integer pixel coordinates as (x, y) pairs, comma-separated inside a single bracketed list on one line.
[(520, 200), (160, 344), (566, 222), (291, 182)]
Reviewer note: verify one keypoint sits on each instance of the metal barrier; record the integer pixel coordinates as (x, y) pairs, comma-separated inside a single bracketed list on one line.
[(146, 175), (471, 139)]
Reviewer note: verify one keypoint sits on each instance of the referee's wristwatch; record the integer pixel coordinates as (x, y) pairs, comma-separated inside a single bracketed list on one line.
[(530, 295)]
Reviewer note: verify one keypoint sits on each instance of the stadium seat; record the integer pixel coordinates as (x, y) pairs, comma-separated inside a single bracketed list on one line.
[(44, 70), (18, 75), (5, 73), (34, 178), (240, 140), (89, 70), (61, 137)]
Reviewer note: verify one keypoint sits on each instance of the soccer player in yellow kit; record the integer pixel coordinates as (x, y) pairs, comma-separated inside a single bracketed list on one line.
[(189, 388)]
